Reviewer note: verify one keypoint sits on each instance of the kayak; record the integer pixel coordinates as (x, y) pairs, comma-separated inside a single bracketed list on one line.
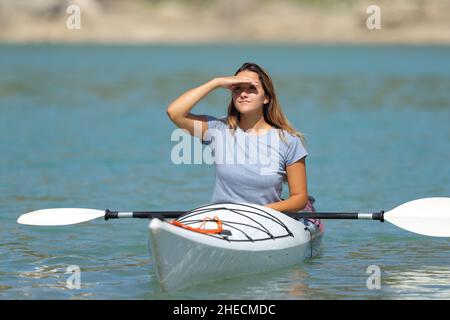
[(253, 239), (226, 240)]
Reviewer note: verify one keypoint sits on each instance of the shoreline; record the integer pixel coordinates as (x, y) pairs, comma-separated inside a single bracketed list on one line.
[(280, 23), (226, 44)]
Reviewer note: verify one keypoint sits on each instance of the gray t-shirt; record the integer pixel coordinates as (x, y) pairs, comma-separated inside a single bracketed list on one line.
[(248, 167)]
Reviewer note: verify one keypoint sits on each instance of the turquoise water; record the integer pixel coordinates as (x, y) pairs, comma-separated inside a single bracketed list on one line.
[(85, 126)]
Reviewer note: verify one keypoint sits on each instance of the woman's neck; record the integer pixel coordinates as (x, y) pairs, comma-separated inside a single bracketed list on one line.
[(253, 123)]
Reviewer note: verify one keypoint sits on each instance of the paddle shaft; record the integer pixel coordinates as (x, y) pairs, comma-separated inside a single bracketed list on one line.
[(339, 215), (143, 214), (314, 215)]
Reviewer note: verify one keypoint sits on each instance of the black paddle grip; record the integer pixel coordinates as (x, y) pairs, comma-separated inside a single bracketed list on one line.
[(378, 216), (111, 214)]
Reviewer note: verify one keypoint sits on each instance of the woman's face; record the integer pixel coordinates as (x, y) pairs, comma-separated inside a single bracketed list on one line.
[(249, 98)]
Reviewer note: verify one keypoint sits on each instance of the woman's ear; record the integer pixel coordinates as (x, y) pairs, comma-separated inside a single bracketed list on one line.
[(266, 100)]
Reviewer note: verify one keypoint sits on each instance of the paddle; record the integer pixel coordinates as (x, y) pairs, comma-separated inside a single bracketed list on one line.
[(428, 216)]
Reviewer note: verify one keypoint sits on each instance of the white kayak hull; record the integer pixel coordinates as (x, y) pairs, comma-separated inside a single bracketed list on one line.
[(182, 257)]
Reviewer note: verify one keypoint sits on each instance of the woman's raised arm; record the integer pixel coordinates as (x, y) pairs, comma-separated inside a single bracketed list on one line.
[(179, 111)]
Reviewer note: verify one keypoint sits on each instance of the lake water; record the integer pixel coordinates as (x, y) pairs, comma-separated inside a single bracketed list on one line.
[(85, 126)]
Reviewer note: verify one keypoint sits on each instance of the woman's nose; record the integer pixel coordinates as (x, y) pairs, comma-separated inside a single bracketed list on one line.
[(243, 93)]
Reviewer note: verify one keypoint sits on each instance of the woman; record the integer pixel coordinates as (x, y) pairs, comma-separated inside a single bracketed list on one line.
[(254, 114)]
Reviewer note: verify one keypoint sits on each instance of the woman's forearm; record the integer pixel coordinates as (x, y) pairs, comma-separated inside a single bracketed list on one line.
[(294, 203), (181, 106)]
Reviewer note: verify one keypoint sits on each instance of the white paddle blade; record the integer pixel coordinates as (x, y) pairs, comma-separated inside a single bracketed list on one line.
[(59, 217), (428, 216)]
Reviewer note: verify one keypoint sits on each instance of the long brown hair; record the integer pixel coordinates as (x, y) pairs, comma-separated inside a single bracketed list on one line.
[(272, 112)]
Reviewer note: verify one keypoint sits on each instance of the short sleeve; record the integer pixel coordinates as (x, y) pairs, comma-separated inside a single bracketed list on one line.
[(214, 124), (295, 151)]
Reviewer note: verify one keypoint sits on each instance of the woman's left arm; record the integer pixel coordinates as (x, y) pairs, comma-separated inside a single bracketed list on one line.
[(298, 190)]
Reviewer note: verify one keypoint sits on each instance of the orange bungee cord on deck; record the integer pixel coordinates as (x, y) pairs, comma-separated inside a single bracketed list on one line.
[(201, 228)]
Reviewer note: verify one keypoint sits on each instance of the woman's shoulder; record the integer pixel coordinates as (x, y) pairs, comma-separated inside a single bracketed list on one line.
[(289, 137), (294, 148), (214, 118), (216, 122)]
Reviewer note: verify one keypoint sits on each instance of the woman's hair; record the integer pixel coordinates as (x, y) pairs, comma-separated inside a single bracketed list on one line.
[(273, 114)]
